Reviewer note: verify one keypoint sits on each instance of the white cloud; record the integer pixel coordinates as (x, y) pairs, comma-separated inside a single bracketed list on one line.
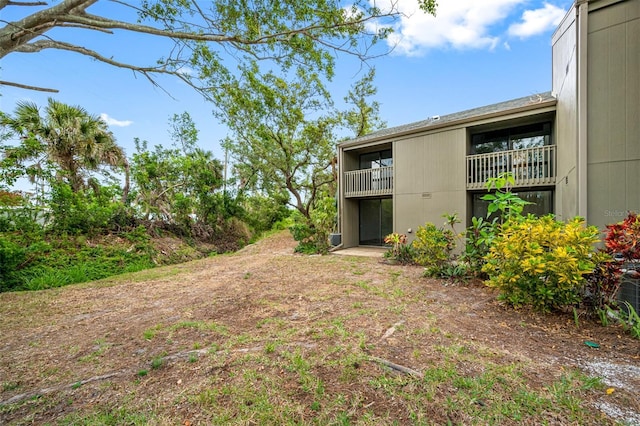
[(185, 71), (113, 122), (537, 21), (463, 24)]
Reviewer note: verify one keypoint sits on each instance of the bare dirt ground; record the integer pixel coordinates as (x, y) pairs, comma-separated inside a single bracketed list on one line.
[(133, 342)]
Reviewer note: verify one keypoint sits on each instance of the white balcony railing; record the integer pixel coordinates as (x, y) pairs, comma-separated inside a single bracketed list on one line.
[(368, 182), (530, 166)]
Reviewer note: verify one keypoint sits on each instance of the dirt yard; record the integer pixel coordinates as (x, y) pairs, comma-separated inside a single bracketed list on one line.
[(264, 336)]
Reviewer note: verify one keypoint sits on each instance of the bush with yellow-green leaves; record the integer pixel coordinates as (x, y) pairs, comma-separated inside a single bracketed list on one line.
[(541, 262)]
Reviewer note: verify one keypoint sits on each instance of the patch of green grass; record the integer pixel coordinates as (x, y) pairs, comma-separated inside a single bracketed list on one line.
[(278, 322), (200, 325), (107, 417), (270, 347), (157, 362), (397, 309), (9, 386), (100, 348), (150, 333), (367, 286)]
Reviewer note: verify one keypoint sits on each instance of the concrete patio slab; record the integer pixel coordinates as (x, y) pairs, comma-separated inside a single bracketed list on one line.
[(361, 251)]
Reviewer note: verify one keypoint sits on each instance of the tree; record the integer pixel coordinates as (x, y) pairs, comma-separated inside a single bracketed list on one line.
[(282, 133), (363, 118), (179, 184), (66, 140), (204, 34)]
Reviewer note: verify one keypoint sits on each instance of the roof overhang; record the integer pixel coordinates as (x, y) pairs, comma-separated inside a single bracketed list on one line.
[(534, 107)]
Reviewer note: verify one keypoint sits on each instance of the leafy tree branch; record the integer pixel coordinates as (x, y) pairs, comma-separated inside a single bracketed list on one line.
[(289, 32)]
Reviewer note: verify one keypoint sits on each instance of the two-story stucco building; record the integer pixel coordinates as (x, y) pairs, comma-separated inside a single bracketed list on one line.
[(573, 151)]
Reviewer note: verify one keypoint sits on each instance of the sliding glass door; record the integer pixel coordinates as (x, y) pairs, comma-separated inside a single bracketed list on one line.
[(376, 220)]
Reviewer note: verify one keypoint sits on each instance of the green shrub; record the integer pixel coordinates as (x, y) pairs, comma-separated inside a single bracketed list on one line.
[(312, 233), (541, 262), (478, 239), (432, 248), (399, 250), (83, 212), (262, 213), (11, 257), (305, 236)]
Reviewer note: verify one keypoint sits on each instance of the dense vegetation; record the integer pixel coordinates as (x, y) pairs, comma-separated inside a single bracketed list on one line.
[(95, 213), (538, 262)]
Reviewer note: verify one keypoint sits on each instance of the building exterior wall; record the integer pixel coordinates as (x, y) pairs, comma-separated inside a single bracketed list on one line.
[(430, 179), (565, 89), (613, 124)]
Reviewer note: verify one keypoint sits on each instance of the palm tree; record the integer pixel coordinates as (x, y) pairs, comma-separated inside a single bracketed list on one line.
[(69, 137)]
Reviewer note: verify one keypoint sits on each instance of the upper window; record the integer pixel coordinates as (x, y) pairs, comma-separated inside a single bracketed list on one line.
[(375, 160), (529, 136)]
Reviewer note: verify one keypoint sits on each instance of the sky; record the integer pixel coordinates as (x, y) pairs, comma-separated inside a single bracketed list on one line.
[(473, 53)]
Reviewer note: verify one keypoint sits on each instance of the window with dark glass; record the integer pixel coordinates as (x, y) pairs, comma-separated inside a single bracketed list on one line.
[(521, 137), (375, 160), (541, 203)]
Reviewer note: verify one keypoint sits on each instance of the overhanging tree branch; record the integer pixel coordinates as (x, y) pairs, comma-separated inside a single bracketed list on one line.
[(304, 32), (26, 86)]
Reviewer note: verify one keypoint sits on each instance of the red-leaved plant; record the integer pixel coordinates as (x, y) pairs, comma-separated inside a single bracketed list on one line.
[(623, 238), (622, 243)]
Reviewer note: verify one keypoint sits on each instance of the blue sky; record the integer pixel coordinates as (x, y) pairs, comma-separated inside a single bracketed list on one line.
[(473, 53)]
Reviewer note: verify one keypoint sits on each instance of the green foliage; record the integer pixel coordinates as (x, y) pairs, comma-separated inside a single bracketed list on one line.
[(32, 263), (312, 233), (630, 319), (541, 262), (455, 271), (503, 201), (263, 213), (364, 116), (25, 218), (282, 130), (11, 258), (397, 241), (432, 248), (66, 136), (323, 220), (84, 211), (478, 238), (177, 186), (305, 236)]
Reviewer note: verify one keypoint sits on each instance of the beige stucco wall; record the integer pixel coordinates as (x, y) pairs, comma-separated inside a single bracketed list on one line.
[(613, 124), (430, 175), (564, 88)]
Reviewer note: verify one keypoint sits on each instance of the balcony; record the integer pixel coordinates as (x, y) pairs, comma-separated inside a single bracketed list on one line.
[(530, 167), (369, 182)]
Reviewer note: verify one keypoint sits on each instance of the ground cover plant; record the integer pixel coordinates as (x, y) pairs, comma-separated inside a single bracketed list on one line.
[(266, 336)]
